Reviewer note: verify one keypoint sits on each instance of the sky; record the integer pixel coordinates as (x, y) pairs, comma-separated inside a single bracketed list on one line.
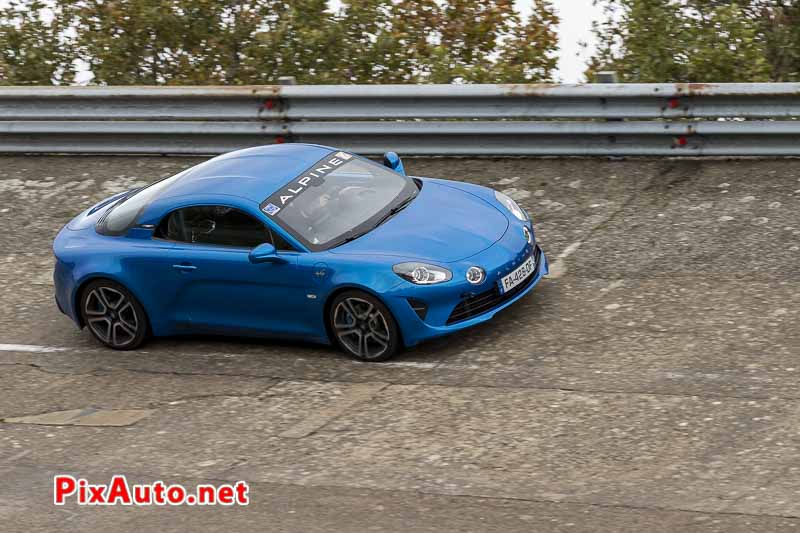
[(576, 25)]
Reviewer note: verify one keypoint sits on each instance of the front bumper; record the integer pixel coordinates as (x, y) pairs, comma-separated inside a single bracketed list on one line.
[(446, 303), (64, 285)]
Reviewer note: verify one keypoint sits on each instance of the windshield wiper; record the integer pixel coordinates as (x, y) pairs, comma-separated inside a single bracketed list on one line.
[(393, 211), (352, 237)]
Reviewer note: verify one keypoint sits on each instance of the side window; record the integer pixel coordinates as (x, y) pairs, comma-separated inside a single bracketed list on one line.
[(217, 225)]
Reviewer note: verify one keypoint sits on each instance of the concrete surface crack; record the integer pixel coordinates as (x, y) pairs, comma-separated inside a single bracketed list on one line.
[(344, 380), (352, 396), (558, 267), (259, 394), (44, 369)]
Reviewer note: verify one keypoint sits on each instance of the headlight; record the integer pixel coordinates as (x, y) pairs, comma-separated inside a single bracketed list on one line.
[(422, 273), (511, 205)]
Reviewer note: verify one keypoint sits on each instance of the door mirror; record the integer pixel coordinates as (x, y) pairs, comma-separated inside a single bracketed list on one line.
[(264, 253), (393, 161)]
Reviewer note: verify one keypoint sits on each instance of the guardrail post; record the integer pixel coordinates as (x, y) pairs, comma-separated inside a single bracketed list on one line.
[(607, 76)]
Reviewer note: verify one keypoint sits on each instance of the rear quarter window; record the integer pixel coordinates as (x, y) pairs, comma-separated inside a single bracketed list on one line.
[(123, 216)]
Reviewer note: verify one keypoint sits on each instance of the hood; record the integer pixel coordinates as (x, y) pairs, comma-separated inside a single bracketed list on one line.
[(443, 224)]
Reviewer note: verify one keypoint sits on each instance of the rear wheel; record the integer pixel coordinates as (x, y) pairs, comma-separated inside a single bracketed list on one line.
[(364, 327), (113, 315)]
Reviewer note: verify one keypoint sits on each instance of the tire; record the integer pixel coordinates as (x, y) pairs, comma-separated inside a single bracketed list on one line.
[(113, 315), (363, 327)]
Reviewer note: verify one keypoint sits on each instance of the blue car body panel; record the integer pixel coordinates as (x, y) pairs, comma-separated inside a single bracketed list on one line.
[(198, 288), (441, 225)]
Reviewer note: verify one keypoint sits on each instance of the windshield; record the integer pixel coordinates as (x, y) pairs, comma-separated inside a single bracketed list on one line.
[(339, 198)]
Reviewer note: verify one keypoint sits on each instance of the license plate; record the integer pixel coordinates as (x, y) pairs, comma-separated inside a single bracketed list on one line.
[(518, 276)]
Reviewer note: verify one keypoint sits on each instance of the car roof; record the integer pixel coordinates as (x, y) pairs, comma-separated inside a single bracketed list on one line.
[(252, 173)]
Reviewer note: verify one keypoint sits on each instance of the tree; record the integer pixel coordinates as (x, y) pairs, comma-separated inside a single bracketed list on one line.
[(776, 25), (365, 40), (204, 41), (415, 29), (227, 42), (470, 33), (726, 45), (683, 41), (296, 38), (528, 54), (157, 42), (641, 40), (781, 27), (145, 41), (33, 47)]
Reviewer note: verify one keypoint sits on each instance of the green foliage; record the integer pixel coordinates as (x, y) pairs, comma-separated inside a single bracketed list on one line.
[(414, 30), (644, 44), (526, 56), (256, 41), (32, 48), (698, 40), (367, 46), (142, 41), (293, 38), (727, 46), (781, 28), (469, 32), (388, 41)]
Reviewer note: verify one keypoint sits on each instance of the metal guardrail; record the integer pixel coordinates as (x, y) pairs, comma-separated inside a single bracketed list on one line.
[(602, 119)]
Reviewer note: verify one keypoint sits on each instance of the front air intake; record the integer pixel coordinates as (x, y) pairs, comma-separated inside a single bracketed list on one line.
[(419, 307)]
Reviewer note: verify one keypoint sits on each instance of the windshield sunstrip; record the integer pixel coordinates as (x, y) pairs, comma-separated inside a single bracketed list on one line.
[(338, 199), (313, 176)]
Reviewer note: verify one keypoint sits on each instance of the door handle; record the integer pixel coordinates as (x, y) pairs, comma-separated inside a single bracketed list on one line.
[(184, 268)]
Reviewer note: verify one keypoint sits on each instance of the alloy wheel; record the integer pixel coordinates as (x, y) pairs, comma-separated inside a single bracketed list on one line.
[(111, 316), (361, 328)]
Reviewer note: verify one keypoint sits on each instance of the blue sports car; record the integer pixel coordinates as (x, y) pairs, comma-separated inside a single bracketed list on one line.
[(296, 240)]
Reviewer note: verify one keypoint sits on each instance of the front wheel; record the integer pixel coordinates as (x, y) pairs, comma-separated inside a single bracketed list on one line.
[(364, 327), (113, 315)]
